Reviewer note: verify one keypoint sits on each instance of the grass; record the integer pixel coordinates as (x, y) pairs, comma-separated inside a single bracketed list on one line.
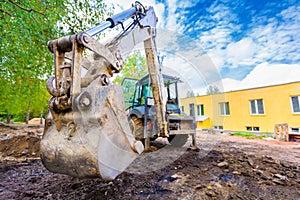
[(250, 135)]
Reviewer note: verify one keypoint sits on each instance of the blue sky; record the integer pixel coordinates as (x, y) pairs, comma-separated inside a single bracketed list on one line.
[(251, 43)]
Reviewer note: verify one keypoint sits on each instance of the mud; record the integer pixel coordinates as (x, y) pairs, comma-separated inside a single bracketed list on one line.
[(225, 167)]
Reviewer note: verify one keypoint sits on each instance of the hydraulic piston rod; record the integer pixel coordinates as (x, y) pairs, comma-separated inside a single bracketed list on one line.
[(116, 19)]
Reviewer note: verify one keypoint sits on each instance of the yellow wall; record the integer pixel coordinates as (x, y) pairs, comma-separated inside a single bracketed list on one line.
[(277, 105)]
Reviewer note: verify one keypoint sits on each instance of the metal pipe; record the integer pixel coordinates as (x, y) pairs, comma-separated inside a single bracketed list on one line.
[(113, 21), (98, 29), (122, 16)]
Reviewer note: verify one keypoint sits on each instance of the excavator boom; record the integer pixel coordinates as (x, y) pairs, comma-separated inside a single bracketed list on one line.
[(86, 131)]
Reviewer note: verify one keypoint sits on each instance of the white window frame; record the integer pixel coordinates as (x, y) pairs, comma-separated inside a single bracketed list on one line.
[(291, 130), (224, 109), (256, 107), (292, 104), (200, 110)]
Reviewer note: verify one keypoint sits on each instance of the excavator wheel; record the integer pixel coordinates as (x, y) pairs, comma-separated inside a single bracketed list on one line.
[(137, 126), (178, 140)]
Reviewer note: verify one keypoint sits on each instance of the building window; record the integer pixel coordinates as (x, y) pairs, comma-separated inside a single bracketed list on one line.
[(218, 127), (182, 108), (257, 107), (252, 128), (295, 101), (200, 110), (295, 130), (192, 109), (224, 108), (255, 128)]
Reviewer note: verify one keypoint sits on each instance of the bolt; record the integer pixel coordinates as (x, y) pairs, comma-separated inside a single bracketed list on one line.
[(118, 64), (85, 39), (104, 79), (118, 54), (86, 101)]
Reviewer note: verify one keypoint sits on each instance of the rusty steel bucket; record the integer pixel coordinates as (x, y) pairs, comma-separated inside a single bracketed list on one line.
[(93, 138)]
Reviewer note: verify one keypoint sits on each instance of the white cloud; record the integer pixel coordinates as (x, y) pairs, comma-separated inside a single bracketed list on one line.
[(279, 40), (187, 60), (159, 10), (265, 74), (171, 23), (291, 13), (241, 52)]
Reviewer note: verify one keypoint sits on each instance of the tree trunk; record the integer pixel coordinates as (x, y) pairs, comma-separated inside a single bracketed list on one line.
[(28, 113), (41, 118), (8, 119)]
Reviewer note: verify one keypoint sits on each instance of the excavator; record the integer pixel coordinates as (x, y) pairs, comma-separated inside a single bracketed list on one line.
[(87, 133), (142, 114)]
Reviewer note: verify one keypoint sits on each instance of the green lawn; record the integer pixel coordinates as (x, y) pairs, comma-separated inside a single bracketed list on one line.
[(250, 135)]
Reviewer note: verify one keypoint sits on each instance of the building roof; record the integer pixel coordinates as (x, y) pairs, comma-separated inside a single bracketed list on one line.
[(255, 88)]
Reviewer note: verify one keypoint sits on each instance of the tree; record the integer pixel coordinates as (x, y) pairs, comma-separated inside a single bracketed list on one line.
[(25, 62), (135, 67), (212, 89), (190, 93)]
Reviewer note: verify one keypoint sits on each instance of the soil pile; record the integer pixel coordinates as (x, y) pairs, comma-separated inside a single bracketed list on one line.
[(20, 140)]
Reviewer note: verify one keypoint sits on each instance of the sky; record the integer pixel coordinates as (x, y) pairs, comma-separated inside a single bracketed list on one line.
[(247, 43)]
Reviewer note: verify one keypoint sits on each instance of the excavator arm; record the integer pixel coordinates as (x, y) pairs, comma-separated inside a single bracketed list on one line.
[(86, 131)]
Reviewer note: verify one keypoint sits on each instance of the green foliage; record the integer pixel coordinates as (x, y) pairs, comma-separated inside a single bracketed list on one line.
[(250, 135), (82, 15), (135, 67), (25, 61)]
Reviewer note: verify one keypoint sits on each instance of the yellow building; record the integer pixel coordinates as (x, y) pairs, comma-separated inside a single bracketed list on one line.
[(257, 109)]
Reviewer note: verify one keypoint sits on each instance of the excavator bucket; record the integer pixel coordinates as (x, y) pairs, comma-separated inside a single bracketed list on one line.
[(93, 139)]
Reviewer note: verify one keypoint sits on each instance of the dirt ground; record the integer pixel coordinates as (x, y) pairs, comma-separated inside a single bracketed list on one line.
[(225, 167)]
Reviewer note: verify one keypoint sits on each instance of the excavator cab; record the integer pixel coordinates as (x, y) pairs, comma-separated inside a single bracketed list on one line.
[(142, 114), (137, 91)]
